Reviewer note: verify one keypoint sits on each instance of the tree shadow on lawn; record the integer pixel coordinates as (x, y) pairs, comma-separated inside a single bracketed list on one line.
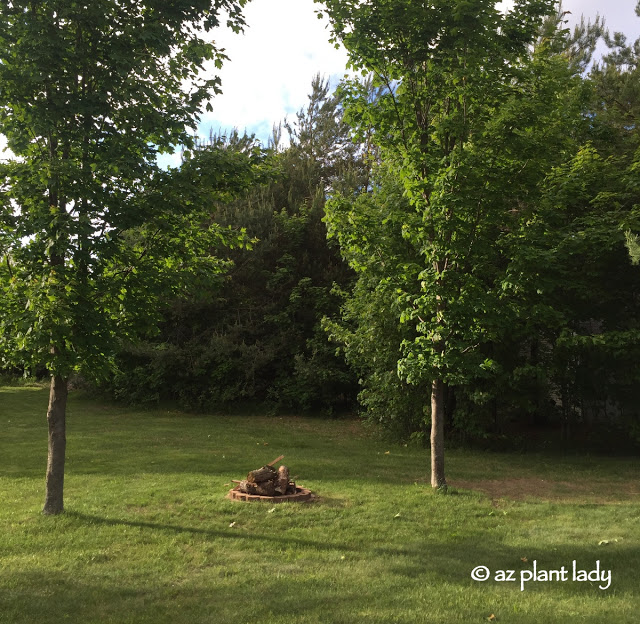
[(232, 534), (439, 557), (374, 578), (65, 597)]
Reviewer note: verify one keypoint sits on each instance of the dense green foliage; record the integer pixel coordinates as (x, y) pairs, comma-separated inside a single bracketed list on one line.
[(258, 335), (491, 248), (570, 354), (483, 187), (451, 75), (92, 233)]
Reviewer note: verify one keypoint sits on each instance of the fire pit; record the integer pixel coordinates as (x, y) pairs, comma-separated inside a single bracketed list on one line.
[(299, 496), (269, 485)]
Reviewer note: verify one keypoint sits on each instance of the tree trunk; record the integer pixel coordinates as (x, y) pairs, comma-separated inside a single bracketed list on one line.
[(437, 435), (56, 413)]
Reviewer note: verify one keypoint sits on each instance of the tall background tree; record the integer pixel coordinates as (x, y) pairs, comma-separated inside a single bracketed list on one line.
[(588, 201), (92, 233)]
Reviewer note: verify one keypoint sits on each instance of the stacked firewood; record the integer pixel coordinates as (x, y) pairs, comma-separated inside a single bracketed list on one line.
[(267, 481)]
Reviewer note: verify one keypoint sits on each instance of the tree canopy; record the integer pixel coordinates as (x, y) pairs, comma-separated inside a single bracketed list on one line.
[(486, 245)]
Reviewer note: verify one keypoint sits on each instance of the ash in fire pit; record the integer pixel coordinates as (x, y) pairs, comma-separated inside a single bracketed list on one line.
[(269, 484)]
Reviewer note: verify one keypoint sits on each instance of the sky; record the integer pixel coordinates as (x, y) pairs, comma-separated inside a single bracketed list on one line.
[(271, 64), (268, 75)]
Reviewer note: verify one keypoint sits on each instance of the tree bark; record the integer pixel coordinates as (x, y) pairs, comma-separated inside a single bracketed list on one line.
[(56, 414), (437, 435)]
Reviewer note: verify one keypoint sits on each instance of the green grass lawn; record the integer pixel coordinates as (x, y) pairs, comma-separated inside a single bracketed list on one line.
[(148, 535)]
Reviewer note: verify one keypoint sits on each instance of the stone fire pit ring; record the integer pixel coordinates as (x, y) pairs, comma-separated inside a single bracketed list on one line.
[(301, 495)]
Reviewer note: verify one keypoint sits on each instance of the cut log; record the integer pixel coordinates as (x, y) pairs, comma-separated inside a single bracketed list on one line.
[(282, 481), (246, 487), (266, 473), (266, 488)]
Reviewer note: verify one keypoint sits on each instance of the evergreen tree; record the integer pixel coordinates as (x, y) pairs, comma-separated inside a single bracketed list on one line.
[(577, 248), (258, 336)]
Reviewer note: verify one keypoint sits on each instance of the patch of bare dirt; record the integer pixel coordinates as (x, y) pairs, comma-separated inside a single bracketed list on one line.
[(525, 488)]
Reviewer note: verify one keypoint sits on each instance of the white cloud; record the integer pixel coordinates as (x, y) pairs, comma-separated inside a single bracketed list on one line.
[(271, 65)]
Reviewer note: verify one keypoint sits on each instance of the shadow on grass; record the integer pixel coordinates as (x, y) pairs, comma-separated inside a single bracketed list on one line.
[(63, 597), (437, 556), (233, 534), (342, 581), (397, 579)]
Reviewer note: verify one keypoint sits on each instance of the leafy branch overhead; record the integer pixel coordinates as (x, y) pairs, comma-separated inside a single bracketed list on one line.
[(91, 227)]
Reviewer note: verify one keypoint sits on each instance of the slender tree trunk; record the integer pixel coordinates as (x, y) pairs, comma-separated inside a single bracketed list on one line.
[(56, 414), (437, 434)]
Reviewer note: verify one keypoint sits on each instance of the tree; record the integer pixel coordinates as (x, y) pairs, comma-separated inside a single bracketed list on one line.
[(92, 232), (446, 68)]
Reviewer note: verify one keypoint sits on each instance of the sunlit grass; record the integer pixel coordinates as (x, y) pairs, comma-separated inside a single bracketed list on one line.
[(149, 537)]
